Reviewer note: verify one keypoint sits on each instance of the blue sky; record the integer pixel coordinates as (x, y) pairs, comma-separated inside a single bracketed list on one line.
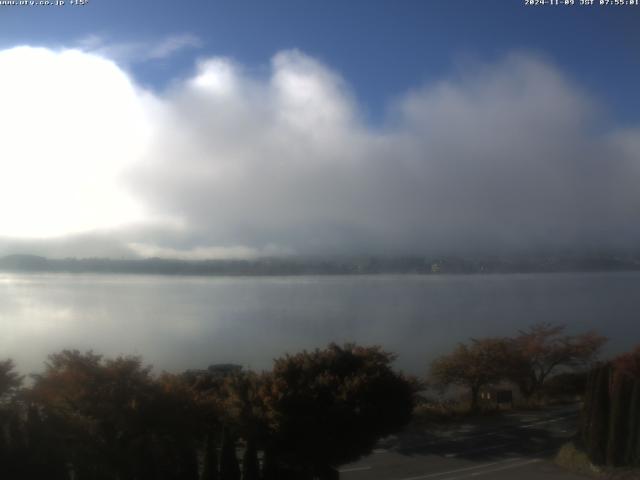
[(275, 127), (382, 48)]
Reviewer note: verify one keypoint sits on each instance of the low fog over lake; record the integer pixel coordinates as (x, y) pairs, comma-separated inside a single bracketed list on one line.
[(177, 323)]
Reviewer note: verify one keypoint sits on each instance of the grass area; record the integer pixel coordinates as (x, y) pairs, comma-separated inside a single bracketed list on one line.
[(573, 458), (439, 412)]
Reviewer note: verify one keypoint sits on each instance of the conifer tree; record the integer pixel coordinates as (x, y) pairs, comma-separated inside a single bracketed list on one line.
[(587, 408), (618, 426), (229, 468), (599, 424), (250, 465), (187, 456), (269, 465), (44, 456), (210, 469), (633, 437)]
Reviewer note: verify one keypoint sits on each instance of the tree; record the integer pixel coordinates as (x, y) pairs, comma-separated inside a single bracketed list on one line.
[(229, 467), (12, 450), (543, 348), (44, 456), (244, 411), (210, 467), (628, 366), (117, 419), (328, 407), (474, 366), (629, 363), (250, 464), (619, 432), (102, 406), (245, 415), (10, 381), (269, 465), (611, 417), (570, 384), (633, 439), (596, 426)]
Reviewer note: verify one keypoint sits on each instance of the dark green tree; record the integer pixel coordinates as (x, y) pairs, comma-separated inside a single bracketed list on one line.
[(587, 408), (10, 446), (269, 465), (229, 467), (628, 365), (632, 447), (328, 407), (566, 384), (46, 458), (210, 463), (250, 464), (618, 420), (15, 454), (635, 455), (596, 441), (10, 381)]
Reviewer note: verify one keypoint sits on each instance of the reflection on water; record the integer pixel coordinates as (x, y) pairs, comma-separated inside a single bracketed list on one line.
[(179, 322)]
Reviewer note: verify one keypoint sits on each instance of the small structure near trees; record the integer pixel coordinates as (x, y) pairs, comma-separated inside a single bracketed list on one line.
[(497, 398)]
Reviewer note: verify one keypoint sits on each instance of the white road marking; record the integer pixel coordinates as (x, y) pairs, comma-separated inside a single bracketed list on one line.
[(493, 470), (355, 469), (517, 465), (542, 422), (475, 467)]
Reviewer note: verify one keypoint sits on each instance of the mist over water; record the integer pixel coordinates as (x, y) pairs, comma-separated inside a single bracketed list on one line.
[(177, 323)]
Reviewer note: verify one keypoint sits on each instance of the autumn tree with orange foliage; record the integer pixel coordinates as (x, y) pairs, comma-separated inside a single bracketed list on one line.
[(527, 360), (116, 419)]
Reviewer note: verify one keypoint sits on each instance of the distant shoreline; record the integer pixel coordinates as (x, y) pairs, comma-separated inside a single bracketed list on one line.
[(267, 267)]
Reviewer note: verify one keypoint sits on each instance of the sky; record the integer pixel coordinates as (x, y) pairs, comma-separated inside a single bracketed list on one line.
[(217, 129)]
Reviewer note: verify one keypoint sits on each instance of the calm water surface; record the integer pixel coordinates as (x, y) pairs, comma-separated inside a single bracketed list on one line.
[(184, 322)]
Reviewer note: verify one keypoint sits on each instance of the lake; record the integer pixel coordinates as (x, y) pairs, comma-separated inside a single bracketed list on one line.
[(191, 322)]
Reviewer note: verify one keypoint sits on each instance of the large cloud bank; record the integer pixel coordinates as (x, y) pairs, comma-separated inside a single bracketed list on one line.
[(504, 157)]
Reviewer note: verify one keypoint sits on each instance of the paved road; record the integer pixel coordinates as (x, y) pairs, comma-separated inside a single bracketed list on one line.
[(514, 446)]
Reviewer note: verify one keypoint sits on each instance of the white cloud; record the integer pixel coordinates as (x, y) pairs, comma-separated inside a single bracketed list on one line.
[(139, 51), (502, 156), (172, 44), (206, 253), (505, 156)]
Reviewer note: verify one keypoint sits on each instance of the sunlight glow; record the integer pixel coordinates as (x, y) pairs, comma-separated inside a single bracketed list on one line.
[(72, 124)]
